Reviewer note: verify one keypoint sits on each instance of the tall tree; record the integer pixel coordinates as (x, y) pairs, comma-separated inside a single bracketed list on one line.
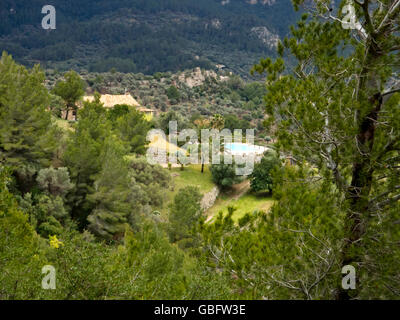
[(132, 128), (70, 90), (27, 137), (184, 213), (111, 194), (201, 124), (337, 110), (82, 156)]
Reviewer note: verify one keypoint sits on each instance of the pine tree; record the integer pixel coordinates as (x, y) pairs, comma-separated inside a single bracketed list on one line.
[(27, 137), (337, 111), (132, 128), (112, 194), (83, 157), (184, 213), (70, 90)]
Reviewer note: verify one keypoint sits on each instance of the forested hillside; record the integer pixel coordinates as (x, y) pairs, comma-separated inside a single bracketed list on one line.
[(317, 217), (191, 95), (145, 36)]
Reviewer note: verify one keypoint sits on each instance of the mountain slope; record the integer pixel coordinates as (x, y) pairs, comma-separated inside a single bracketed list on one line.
[(145, 35)]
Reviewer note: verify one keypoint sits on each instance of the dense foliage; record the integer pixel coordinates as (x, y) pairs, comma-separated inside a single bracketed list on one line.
[(338, 112), (261, 179), (224, 174), (145, 36), (81, 197)]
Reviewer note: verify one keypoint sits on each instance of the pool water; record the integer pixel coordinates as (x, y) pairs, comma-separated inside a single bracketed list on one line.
[(242, 148)]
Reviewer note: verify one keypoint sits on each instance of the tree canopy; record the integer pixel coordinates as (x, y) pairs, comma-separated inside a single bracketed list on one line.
[(337, 111)]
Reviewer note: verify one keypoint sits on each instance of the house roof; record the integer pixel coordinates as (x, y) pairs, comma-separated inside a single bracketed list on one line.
[(159, 142), (111, 100)]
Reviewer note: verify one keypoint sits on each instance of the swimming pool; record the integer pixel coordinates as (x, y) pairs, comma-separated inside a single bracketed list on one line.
[(244, 148)]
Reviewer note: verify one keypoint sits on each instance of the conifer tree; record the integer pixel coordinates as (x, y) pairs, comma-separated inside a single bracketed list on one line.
[(27, 137), (112, 193), (337, 109), (70, 90), (83, 157)]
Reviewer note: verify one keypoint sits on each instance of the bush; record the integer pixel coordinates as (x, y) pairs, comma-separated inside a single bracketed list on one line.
[(224, 175), (184, 213), (173, 94), (262, 177)]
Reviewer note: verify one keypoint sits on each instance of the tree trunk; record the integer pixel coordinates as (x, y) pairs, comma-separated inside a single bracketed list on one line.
[(359, 191), (76, 113), (355, 222)]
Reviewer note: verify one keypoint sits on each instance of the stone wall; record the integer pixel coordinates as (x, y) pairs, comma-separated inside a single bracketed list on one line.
[(209, 199)]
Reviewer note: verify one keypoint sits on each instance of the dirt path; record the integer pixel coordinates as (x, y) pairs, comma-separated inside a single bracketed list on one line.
[(241, 189), (238, 190)]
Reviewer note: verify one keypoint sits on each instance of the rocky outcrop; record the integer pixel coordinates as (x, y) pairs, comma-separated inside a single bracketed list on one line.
[(197, 77), (266, 36), (209, 199)]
